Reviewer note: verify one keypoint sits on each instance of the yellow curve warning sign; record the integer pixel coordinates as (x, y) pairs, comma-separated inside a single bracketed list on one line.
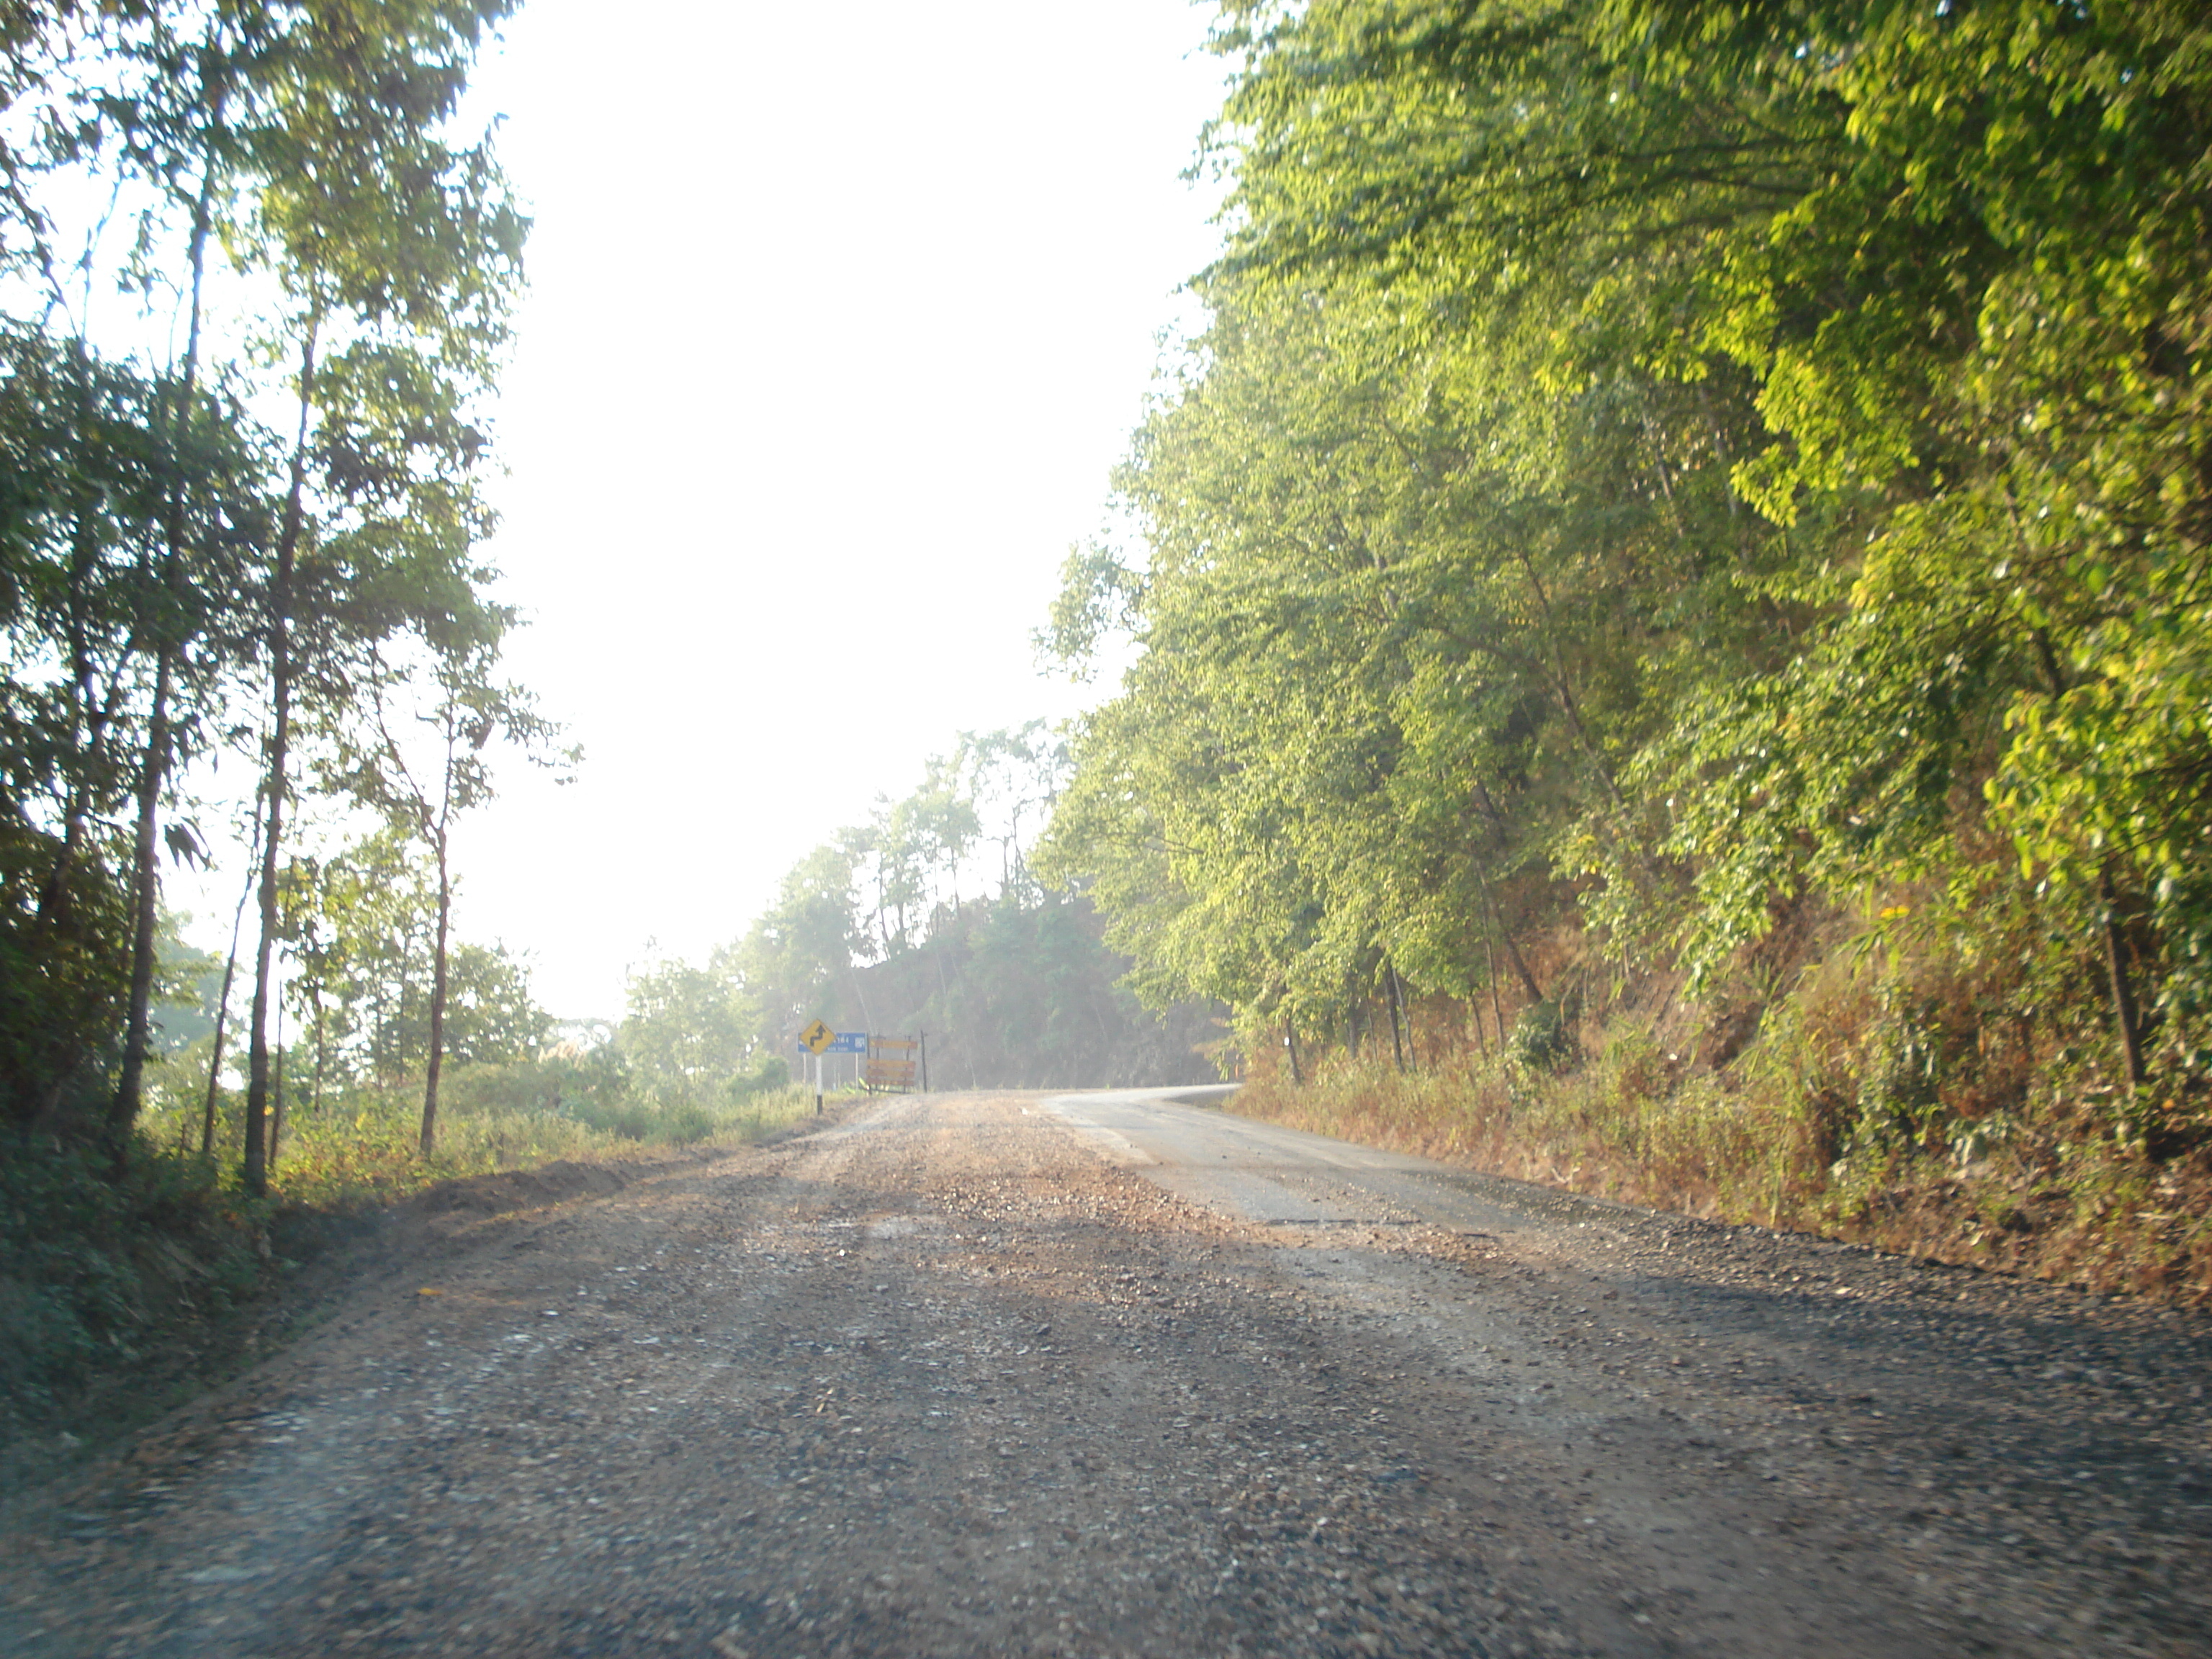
[(816, 1037)]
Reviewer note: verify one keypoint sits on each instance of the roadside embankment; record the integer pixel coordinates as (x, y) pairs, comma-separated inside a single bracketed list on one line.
[(2035, 1194), (124, 1295)]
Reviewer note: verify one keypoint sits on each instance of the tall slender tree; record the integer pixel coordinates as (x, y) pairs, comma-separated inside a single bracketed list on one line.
[(425, 792), (385, 233)]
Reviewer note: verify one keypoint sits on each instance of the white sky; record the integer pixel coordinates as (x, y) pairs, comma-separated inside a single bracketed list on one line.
[(840, 317)]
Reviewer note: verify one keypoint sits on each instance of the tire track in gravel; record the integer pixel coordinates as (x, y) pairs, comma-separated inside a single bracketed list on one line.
[(945, 1379)]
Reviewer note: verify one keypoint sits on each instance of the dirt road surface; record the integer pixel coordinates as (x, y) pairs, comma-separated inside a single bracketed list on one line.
[(1107, 1375)]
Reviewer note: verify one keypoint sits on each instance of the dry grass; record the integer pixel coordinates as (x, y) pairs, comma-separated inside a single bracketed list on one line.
[(373, 1154), (363, 1149), (2035, 1191)]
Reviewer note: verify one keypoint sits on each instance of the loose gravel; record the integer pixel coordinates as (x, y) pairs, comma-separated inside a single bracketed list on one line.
[(944, 1379)]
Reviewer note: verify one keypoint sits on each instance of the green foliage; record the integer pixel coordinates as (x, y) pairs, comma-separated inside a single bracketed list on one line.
[(797, 954), (175, 579), (67, 1296), (92, 1269), (363, 926), (689, 1038), (91, 481), (1657, 476), (1541, 1039), (63, 932), (207, 211)]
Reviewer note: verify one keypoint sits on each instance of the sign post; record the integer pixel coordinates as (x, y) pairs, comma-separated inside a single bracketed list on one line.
[(814, 1039)]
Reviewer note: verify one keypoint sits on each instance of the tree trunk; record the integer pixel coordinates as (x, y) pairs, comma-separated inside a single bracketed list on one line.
[(1490, 964), (1513, 955), (277, 1117), (222, 1002), (2126, 1015), (1390, 988), (315, 1101), (1512, 950), (437, 1001), (123, 1109), (215, 1057), (257, 1076), (1290, 1041), (280, 737)]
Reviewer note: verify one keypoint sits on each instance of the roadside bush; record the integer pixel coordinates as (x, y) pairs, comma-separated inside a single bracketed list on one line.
[(772, 1072), (675, 1122), (1541, 1039), (93, 1270)]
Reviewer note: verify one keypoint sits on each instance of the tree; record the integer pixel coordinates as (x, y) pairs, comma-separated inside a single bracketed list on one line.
[(801, 953), (688, 1030), (1652, 469), (207, 211), (364, 925), (377, 226), (471, 709)]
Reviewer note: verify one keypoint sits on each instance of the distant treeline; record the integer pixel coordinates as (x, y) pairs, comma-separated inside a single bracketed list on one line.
[(1028, 996), (928, 920)]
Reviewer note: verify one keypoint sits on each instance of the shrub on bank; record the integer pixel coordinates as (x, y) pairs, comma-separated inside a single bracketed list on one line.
[(98, 1272)]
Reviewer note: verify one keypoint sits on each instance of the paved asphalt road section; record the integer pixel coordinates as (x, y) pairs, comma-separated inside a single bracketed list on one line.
[(1119, 1374)]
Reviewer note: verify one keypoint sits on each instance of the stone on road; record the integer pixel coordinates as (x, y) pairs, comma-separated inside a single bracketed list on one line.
[(1106, 1374)]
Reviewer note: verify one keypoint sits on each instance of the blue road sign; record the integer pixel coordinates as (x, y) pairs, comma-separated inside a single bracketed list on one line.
[(847, 1042)]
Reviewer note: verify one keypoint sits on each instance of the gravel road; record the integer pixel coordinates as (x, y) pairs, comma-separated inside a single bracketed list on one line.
[(994, 1374)]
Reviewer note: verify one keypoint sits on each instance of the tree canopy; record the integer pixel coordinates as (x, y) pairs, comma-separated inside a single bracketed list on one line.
[(1652, 469), (242, 442)]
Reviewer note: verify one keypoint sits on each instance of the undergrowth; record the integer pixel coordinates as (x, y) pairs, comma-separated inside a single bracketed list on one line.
[(364, 1148), (1824, 1124)]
